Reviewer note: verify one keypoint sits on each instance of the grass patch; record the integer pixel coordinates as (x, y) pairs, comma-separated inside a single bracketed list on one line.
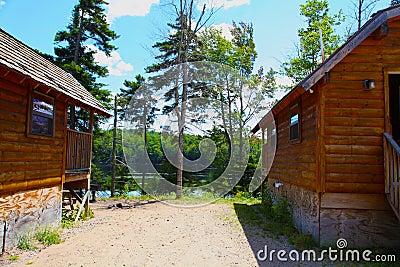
[(48, 236), (45, 236), (26, 242), (188, 198), (274, 221), (13, 258), (68, 217)]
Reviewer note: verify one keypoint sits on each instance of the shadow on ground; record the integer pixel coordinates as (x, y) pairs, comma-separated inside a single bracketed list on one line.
[(259, 239)]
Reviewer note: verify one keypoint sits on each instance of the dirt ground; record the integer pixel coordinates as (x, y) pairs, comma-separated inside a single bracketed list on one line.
[(156, 234)]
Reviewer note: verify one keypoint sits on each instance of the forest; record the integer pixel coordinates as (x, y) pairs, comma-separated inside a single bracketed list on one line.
[(191, 38)]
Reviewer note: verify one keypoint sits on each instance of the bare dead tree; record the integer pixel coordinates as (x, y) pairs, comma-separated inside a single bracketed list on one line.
[(191, 25), (361, 11)]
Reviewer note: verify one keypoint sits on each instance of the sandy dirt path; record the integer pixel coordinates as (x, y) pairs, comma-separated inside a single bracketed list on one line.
[(156, 234)]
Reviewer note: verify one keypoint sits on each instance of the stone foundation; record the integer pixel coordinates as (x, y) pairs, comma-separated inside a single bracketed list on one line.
[(25, 211), (363, 227), (304, 206)]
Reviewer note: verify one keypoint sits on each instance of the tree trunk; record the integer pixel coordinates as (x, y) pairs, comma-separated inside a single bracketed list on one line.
[(114, 149), (144, 147)]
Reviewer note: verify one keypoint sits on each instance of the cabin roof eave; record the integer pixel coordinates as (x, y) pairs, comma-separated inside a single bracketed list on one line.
[(356, 39), (18, 57)]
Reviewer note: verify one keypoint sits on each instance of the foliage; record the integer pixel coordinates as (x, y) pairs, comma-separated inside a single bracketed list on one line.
[(275, 221), (25, 242), (126, 183), (13, 258), (68, 217), (101, 161), (181, 44), (45, 236), (48, 236), (308, 51), (87, 33), (394, 2), (247, 94), (179, 47)]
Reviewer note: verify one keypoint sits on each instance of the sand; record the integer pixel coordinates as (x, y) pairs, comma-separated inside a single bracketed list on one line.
[(156, 234)]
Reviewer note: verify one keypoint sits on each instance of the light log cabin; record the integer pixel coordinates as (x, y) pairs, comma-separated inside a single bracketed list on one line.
[(42, 151), (336, 135)]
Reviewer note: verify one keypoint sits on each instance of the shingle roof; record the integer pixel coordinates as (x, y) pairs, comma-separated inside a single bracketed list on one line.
[(19, 57)]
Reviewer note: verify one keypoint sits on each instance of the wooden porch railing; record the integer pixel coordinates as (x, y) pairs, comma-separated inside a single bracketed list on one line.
[(79, 147), (392, 172)]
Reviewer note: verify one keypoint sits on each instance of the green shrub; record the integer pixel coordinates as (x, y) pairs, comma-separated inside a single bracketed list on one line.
[(68, 217), (25, 242), (48, 236), (13, 258)]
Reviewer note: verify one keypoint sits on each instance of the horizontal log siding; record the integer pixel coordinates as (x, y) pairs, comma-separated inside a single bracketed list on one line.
[(354, 118), (26, 163), (295, 163)]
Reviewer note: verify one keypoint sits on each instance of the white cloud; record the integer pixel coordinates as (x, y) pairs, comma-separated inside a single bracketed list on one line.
[(222, 3), (2, 3), (114, 63), (225, 29), (120, 8), (284, 80)]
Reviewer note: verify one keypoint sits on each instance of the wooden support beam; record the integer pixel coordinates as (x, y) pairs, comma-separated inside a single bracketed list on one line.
[(23, 80), (85, 200), (75, 195), (382, 31)]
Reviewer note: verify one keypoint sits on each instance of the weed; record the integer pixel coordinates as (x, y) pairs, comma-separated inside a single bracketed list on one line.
[(13, 258), (45, 236), (275, 220), (68, 217), (48, 236), (25, 242)]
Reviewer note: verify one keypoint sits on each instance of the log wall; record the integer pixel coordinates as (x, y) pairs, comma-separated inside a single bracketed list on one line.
[(27, 162), (295, 162), (355, 118)]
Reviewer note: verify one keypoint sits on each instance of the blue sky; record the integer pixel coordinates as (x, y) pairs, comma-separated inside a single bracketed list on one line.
[(140, 23)]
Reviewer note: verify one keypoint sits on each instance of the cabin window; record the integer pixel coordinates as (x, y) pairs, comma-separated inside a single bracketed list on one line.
[(42, 115), (295, 123)]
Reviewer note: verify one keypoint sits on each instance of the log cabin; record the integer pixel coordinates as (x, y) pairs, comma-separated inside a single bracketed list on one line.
[(335, 141), (41, 151)]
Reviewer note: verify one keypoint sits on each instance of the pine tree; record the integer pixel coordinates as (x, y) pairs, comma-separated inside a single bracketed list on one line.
[(394, 2), (87, 26), (180, 47), (138, 106)]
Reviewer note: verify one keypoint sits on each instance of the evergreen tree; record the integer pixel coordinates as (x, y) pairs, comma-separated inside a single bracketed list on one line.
[(126, 94), (88, 26), (180, 47), (394, 2), (317, 17), (138, 107)]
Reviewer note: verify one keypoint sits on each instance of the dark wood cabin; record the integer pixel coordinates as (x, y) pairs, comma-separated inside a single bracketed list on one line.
[(337, 134), (41, 152)]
